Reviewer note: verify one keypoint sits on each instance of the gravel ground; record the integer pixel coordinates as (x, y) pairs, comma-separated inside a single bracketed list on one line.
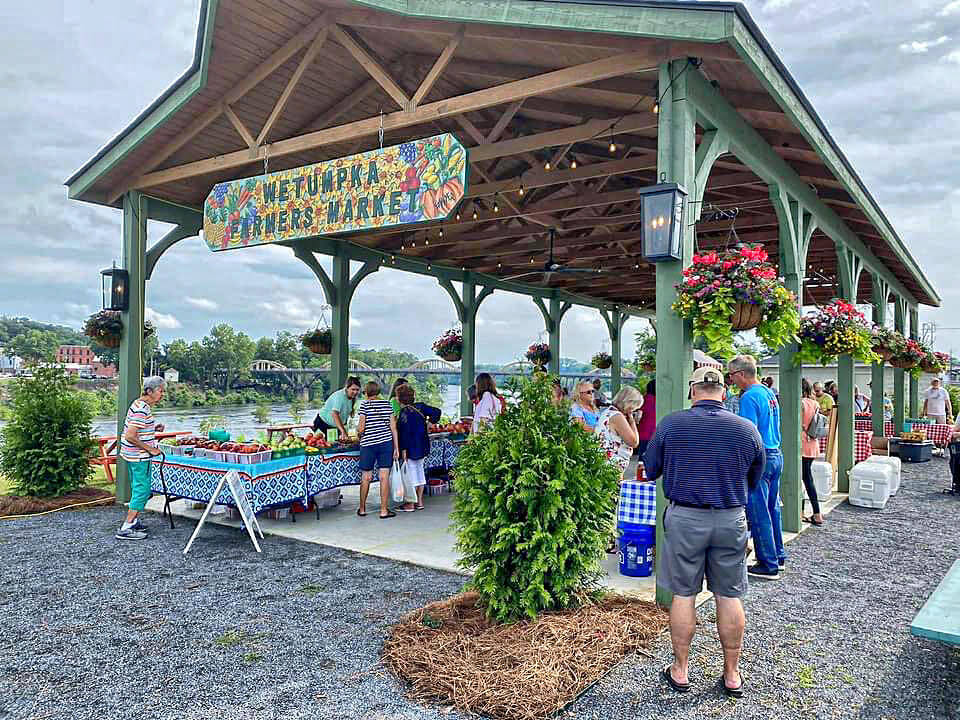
[(95, 628)]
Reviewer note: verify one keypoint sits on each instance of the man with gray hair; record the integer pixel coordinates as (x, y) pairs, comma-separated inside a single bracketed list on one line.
[(708, 458), (759, 405), (137, 446)]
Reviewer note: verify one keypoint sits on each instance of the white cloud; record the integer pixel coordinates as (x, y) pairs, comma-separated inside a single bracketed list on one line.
[(953, 56), (950, 8), (161, 320), (918, 47), (773, 5), (201, 303)]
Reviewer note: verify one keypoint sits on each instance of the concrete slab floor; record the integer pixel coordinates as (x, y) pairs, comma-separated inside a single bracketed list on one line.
[(420, 538)]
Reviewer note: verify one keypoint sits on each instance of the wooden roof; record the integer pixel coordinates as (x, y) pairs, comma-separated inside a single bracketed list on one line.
[(299, 81)]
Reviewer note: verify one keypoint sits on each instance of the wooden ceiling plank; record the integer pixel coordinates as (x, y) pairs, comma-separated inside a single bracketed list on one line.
[(438, 67), (576, 75), (504, 120), (372, 64), (537, 179), (241, 129), (308, 57)]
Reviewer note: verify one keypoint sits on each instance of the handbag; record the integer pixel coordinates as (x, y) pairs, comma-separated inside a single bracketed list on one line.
[(409, 489), (396, 483), (817, 427)]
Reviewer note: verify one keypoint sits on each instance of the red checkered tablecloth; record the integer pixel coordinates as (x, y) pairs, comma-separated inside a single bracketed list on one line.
[(940, 434), (862, 448), (867, 426)]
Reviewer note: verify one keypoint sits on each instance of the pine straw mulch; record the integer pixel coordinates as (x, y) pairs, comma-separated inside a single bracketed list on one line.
[(27, 504), (448, 651)]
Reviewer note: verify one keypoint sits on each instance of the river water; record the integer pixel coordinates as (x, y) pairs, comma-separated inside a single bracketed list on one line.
[(239, 419)]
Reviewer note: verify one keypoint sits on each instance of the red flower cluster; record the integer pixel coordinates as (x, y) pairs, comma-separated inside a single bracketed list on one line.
[(744, 271)]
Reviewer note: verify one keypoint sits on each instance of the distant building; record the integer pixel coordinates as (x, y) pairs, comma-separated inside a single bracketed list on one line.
[(82, 361), (10, 364), (171, 375), (76, 355)]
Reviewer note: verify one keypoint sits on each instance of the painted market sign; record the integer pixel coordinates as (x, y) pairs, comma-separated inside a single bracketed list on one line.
[(414, 182)]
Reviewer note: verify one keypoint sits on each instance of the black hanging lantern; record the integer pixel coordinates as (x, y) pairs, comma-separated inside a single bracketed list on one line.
[(662, 212), (116, 292)]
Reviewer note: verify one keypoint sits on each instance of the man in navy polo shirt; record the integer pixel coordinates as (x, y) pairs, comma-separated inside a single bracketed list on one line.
[(708, 458), (759, 405)]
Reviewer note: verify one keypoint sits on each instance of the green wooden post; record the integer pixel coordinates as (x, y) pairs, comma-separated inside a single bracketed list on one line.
[(899, 321), (340, 308), (676, 149), (131, 344), (552, 319), (850, 267), (617, 319), (796, 226), (881, 291), (914, 382), (467, 306)]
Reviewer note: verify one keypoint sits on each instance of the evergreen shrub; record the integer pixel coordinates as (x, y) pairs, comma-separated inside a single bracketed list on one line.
[(535, 506), (45, 447)]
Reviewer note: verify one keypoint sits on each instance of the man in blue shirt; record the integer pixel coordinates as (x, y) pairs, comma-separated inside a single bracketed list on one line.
[(759, 405), (709, 458)]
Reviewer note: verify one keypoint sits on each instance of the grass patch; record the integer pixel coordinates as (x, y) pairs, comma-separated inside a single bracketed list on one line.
[(805, 677), (311, 590), (231, 638), (252, 657)]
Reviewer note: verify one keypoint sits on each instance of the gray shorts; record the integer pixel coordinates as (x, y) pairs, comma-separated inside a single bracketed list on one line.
[(698, 542)]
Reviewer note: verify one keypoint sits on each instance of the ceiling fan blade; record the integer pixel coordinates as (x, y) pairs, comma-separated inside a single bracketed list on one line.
[(565, 269), (514, 277)]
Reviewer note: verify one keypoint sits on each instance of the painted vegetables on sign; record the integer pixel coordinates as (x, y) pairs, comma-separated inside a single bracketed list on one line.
[(418, 181)]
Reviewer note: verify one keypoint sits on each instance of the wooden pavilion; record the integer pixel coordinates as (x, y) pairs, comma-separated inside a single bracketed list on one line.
[(567, 108)]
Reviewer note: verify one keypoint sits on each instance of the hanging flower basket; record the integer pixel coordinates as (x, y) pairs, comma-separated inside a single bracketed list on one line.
[(910, 357), (106, 328), (318, 341), (647, 361), (737, 290), (833, 330), (887, 343), (539, 354), (746, 316), (935, 363), (449, 346), (602, 360)]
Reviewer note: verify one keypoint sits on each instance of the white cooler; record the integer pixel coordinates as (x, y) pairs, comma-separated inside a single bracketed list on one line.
[(870, 484), (822, 479), (894, 464)]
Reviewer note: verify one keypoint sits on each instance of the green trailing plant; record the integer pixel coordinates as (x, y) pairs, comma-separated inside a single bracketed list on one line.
[(534, 508), (46, 445), (318, 341), (106, 328), (739, 283), (539, 354), (835, 329), (886, 342)]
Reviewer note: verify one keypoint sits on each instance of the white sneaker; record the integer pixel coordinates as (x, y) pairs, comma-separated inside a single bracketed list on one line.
[(130, 534)]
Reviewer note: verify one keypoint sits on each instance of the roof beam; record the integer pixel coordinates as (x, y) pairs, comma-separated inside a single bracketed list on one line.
[(253, 78), (613, 66), (438, 67), (371, 63), (308, 57), (540, 179), (238, 125)]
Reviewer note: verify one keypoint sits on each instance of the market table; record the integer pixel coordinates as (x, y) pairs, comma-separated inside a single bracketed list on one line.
[(940, 434), (867, 425), (862, 445), (107, 450), (277, 483), (271, 484)]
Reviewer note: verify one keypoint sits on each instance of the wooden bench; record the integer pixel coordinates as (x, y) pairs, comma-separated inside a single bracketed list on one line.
[(939, 618)]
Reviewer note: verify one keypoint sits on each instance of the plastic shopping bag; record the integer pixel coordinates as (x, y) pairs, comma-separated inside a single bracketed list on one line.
[(409, 489), (396, 483)]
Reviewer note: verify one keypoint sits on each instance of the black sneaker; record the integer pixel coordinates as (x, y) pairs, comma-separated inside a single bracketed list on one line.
[(137, 525), (759, 572)]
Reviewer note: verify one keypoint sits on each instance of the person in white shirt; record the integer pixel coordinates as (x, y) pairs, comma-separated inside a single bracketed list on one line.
[(936, 403), (490, 403)]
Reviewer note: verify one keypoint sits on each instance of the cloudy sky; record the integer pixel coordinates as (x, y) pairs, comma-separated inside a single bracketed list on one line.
[(881, 74)]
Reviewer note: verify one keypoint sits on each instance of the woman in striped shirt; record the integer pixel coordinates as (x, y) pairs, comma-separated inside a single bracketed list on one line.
[(378, 446)]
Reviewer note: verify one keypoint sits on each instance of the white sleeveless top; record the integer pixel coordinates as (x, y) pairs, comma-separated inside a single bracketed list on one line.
[(618, 452)]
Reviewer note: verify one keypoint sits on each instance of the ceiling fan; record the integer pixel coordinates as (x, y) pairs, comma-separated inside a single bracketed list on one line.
[(551, 265)]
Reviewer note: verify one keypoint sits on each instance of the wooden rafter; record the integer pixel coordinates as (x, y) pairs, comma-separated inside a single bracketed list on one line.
[(371, 63), (241, 129), (308, 57), (438, 67), (254, 78), (598, 69)]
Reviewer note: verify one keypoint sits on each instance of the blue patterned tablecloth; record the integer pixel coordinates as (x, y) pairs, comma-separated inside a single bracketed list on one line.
[(325, 472), (277, 483), (638, 503)]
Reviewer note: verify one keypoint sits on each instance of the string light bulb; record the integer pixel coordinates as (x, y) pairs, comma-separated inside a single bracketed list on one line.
[(413, 244), (426, 241), (429, 266), (496, 205), (441, 233), (547, 166), (393, 258), (402, 248), (531, 261), (656, 108), (573, 165), (499, 266), (613, 146), (520, 192), (475, 216), (458, 217)]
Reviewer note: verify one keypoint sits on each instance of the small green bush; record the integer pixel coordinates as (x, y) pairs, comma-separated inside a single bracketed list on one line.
[(45, 448), (535, 507)]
